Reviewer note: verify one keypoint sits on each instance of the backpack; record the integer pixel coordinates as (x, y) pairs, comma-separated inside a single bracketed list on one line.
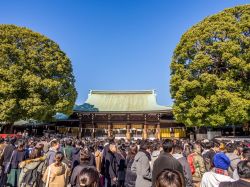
[(190, 160), (31, 176)]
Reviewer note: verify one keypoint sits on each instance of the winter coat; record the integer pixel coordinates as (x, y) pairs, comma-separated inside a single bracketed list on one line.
[(154, 156), (238, 183), (142, 169), (31, 172), (186, 169), (17, 157), (199, 166), (165, 161), (212, 179), (234, 160), (130, 175), (51, 156), (98, 160), (111, 167), (58, 176)]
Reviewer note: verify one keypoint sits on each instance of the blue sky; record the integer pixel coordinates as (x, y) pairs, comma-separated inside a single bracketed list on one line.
[(115, 44)]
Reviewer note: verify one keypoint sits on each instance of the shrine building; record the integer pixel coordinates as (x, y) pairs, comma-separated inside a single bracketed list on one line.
[(126, 114)]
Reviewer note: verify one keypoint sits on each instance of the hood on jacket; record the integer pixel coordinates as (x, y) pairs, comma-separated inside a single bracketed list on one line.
[(212, 179), (156, 153), (177, 156), (139, 155)]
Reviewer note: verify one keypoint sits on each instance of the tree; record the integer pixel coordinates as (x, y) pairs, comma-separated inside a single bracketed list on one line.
[(210, 71), (36, 78)]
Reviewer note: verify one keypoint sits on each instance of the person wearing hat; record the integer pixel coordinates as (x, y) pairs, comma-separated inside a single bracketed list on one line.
[(219, 173)]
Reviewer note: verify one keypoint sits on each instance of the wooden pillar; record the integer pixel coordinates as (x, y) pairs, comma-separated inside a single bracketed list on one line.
[(158, 132), (110, 130), (145, 133), (128, 134)]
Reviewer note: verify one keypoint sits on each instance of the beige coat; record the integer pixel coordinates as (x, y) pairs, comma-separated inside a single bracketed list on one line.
[(58, 176), (98, 160)]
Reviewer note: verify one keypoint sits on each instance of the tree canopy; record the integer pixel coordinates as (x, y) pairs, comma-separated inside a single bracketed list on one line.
[(36, 78), (210, 71)]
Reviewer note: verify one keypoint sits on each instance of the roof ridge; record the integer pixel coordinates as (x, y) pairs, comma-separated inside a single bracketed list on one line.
[(122, 91)]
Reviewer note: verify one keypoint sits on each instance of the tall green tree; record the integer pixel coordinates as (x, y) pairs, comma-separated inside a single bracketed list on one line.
[(36, 78), (210, 70)]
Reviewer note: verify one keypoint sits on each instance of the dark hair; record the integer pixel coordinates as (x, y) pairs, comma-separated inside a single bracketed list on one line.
[(58, 157), (144, 145), (35, 153), (88, 177), (167, 145), (169, 178), (68, 142), (177, 149), (243, 169), (85, 155), (246, 153), (132, 151), (209, 145), (230, 148)]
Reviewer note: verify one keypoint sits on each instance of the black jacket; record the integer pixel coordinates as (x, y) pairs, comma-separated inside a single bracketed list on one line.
[(130, 175), (163, 162), (111, 167)]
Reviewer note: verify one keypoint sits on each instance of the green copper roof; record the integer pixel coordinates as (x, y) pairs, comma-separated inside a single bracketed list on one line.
[(124, 101)]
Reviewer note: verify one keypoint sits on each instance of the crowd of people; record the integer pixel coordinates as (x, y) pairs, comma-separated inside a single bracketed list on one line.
[(62, 162)]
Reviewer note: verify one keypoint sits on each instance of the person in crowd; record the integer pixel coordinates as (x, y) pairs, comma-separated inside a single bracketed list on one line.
[(155, 153), (169, 178), (208, 155), (165, 161), (85, 156), (111, 166), (233, 157), (6, 158), (130, 175), (177, 154), (121, 157), (196, 164), (88, 177), (141, 166), (219, 173), (98, 157), (76, 153), (245, 155), (54, 147), (32, 169), (17, 156), (68, 151), (243, 169), (56, 173)]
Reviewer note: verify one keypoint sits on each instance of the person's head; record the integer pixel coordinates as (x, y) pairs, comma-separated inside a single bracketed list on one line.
[(35, 153), (167, 145), (169, 178), (243, 169), (58, 157), (54, 144), (68, 142), (132, 151), (221, 161), (245, 155), (20, 144), (144, 146), (230, 148), (85, 155), (88, 177), (113, 147), (197, 147), (209, 145), (177, 149)]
